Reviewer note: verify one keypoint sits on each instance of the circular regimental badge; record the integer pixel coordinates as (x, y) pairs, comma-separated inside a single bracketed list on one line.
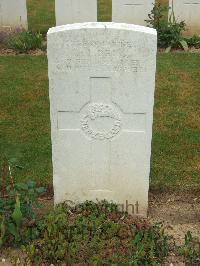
[(100, 121)]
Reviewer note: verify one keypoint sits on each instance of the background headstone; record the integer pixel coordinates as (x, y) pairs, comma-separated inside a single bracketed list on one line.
[(13, 14), (75, 11), (189, 11), (131, 11), (102, 78)]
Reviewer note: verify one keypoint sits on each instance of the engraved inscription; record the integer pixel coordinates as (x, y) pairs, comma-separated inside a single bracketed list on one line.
[(125, 64), (96, 54), (100, 121), (133, 4), (192, 3)]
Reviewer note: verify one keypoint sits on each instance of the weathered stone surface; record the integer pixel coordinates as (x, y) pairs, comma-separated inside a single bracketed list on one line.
[(13, 14), (188, 11), (75, 11), (131, 11), (102, 78)]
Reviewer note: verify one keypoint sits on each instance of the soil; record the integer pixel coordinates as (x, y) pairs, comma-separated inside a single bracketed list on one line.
[(179, 211), (6, 51), (190, 50)]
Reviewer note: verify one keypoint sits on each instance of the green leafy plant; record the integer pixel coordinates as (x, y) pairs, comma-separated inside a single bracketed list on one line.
[(17, 201), (169, 31), (25, 41), (191, 250), (194, 41), (96, 233)]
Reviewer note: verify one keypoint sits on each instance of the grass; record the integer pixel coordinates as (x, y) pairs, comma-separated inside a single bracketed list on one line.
[(25, 126), (176, 132), (41, 14), (104, 10), (24, 134)]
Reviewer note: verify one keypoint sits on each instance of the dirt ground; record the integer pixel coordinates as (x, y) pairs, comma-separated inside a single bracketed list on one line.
[(179, 211), (6, 51)]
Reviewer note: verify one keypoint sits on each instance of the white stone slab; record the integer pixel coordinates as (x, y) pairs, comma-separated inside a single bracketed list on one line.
[(13, 14), (75, 11), (102, 78), (131, 11), (189, 11)]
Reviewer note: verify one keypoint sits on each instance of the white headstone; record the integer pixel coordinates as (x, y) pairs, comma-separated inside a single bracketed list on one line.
[(102, 78), (13, 14), (131, 11), (188, 11), (75, 11)]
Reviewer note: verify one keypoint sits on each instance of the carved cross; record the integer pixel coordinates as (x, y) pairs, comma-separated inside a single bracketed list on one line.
[(101, 121)]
